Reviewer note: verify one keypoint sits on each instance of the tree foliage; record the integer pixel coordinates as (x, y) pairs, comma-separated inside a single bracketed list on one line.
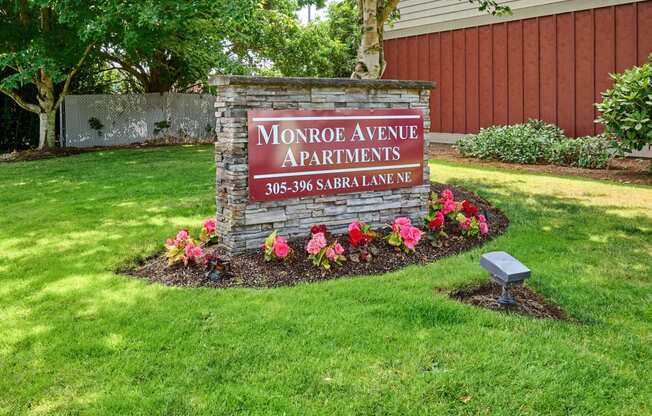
[(169, 44), (141, 45), (322, 48), (44, 43)]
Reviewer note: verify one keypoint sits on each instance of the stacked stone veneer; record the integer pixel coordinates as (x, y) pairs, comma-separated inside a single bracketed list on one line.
[(243, 224)]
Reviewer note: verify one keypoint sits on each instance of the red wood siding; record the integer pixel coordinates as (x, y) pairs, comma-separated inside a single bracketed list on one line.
[(549, 67)]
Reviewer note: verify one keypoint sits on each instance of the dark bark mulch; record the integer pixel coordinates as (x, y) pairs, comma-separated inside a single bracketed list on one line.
[(625, 170), (36, 154), (250, 269), (26, 155), (528, 303)]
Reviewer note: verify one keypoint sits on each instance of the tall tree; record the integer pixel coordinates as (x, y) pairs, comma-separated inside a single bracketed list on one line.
[(171, 45), (373, 16), (43, 43), (162, 45), (323, 47)]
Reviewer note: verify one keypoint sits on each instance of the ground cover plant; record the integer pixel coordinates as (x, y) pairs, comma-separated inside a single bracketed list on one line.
[(536, 142), (77, 338)]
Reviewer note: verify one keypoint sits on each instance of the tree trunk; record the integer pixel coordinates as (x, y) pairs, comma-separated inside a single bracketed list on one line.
[(47, 100), (48, 106), (371, 61), (47, 129)]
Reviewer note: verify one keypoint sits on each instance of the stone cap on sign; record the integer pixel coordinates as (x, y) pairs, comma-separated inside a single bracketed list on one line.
[(321, 82)]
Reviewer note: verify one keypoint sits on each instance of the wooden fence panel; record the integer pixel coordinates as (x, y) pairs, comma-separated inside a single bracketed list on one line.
[(550, 67)]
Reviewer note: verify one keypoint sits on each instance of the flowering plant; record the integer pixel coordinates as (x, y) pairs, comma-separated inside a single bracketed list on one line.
[(472, 226), (404, 235), (469, 209), (182, 249), (208, 233), (360, 237), (360, 234), (320, 228), (440, 206), (275, 247), (464, 215), (322, 254)]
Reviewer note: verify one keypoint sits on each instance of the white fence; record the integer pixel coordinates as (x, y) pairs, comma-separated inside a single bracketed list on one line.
[(109, 120)]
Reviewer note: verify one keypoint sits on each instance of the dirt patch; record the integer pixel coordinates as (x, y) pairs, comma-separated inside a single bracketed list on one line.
[(528, 303), (250, 270), (624, 170)]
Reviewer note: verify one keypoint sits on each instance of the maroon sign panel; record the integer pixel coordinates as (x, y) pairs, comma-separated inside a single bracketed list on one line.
[(322, 152)]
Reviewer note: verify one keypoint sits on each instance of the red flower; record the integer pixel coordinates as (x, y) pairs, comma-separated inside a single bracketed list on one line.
[(437, 222), (355, 236), (321, 228), (469, 209)]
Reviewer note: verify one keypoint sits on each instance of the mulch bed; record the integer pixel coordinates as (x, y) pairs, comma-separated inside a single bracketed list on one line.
[(528, 303), (35, 154), (624, 170), (26, 155), (250, 269)]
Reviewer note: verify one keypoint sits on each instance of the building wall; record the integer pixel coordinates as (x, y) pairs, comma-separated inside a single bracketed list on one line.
[(429, 16), (548, 67)]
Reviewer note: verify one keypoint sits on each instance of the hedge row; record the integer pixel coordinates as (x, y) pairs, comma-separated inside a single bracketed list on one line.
[(537, 142)]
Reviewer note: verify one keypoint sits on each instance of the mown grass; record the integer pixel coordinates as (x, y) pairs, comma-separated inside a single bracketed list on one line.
[(76, 338)]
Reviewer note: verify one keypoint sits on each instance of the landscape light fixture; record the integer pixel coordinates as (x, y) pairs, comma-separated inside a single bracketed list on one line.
[(506, 271)]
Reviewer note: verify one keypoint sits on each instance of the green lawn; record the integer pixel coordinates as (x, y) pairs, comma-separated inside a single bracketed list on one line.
[(75, 338)]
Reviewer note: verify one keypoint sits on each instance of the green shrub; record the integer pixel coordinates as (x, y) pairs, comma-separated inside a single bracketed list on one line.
[(626, 109), (592, 152), (536, 142), (520, 143)]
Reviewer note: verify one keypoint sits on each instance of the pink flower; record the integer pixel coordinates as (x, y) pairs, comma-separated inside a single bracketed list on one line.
[(320, 239), (281, 248), (482, 218), (209, 226), (484, 228), (412, 237), (403, 222), (316, 243), (405, 232), (170, 242), (447, 195), (338, 248), (330, 254), (448, 206), (355, 225), (313, 247), (193, 251), (182, 235)]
